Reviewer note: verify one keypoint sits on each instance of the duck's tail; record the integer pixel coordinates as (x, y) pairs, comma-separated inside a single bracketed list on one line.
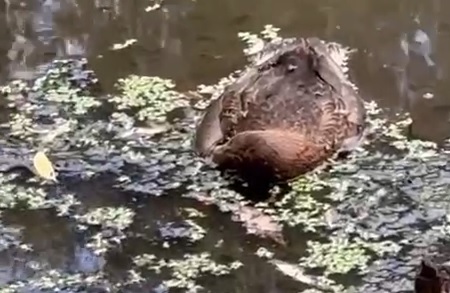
[(341, 55), (338, 53)]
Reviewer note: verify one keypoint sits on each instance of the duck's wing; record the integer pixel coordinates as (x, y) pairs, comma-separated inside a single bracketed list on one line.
[(331, 66), (223, 114), (238, 99), (256, 99)]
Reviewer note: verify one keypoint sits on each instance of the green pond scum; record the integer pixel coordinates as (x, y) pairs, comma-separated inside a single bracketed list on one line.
[(134, 210)]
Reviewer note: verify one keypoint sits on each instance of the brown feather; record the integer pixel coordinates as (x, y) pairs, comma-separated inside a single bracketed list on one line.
[(285, 116)]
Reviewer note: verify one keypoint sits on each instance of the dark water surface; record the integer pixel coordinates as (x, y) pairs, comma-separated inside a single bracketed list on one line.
[(402, 63), (196, 42)]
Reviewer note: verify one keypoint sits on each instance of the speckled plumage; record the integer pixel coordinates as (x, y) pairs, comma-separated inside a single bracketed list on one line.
[(292, 109)]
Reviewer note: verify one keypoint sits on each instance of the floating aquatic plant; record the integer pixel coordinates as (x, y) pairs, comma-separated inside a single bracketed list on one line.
[(151, 97), (112, 221), (54, 280), (189, 229), (381, 193), (185, 272), (301, 207), (338, 256), (10, 237)]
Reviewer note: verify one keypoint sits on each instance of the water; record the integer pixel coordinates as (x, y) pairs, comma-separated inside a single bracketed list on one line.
[(195, 42)]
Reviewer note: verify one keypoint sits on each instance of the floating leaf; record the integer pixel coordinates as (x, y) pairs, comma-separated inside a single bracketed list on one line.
[(43, 167), (127, 43)]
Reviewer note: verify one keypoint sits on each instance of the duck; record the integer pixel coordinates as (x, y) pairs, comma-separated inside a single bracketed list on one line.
[(432, 278), (292, 109)]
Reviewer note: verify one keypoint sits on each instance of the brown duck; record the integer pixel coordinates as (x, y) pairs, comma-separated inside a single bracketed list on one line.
[(287, 113)]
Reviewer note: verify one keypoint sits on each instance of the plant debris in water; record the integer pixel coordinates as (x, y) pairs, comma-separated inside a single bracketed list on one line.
[(368, 218)]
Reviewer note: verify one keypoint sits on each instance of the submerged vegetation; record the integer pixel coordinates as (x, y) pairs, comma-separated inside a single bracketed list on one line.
[(152, 215)]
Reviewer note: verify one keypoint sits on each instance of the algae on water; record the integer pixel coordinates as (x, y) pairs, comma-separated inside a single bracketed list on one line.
[(356, 219)]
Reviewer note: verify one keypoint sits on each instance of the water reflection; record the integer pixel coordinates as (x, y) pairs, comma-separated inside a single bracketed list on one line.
[(420, 75), (35, 38), (401, 44), (62, 250)]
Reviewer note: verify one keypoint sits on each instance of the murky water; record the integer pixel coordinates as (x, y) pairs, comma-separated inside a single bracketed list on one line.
[(194, 42), (402, 63)]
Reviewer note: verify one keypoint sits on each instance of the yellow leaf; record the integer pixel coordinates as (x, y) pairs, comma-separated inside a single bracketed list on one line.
[(43, 167)]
